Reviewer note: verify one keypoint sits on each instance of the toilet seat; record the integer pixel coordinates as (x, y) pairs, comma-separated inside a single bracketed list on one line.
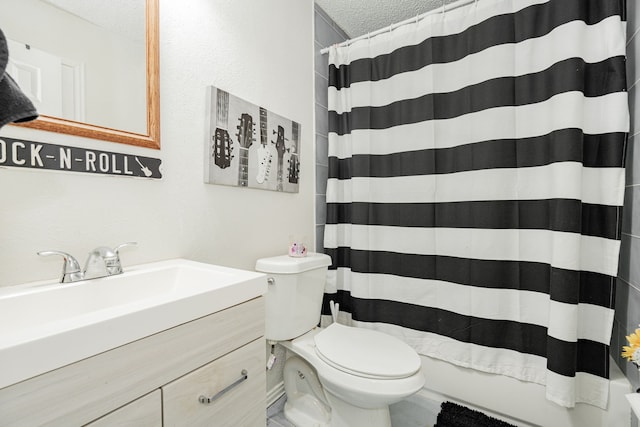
[(366, 353)]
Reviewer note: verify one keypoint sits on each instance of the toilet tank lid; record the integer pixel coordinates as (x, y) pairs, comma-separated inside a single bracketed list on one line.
[(285, 264)]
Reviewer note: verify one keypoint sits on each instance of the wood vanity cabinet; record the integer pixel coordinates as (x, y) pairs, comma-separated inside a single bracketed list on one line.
[(143, 412), (159, 380)]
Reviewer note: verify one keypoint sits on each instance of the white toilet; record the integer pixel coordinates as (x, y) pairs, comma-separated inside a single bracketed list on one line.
[(342, 376)]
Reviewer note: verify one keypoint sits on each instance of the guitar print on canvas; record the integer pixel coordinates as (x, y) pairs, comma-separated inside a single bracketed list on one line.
[(236, 156), (263, 153), (294, 161), (221, 141), (280, 149), (245, 140)]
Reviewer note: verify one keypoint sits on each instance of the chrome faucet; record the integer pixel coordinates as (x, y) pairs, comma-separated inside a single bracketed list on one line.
[(102, 261), (70, 269)]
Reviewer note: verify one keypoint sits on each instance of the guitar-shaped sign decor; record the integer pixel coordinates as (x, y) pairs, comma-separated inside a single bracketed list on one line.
[(294, 161), (145, 170), (280, 149), (263, 153), (245, 139), (221, 141)]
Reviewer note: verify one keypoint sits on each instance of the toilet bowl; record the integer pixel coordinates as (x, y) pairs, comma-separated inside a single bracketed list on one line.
[(338, 376), (358, 393)]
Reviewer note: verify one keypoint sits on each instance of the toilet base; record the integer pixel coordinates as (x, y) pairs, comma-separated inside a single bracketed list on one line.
[(300, 412), (345, 415), (308, 404)]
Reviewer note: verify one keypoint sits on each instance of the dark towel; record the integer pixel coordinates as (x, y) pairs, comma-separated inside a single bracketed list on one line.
[(454, 415), (14, 105)]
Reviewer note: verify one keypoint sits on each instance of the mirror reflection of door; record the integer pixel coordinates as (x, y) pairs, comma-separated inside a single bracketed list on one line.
[(96, 48), (52, 83)]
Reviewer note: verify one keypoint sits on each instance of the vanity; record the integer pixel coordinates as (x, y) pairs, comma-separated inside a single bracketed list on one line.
[(165, 344)]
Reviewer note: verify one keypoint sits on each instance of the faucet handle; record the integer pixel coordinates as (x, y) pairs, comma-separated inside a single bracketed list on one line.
[(116, 267), (71, 271), (104, 261), (117, 248)]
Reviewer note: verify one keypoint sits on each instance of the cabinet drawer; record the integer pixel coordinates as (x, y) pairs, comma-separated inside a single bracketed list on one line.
[(243, 404), (144, 412)]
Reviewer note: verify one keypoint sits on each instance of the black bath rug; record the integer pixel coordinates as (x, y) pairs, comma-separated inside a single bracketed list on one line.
[(454, 415)]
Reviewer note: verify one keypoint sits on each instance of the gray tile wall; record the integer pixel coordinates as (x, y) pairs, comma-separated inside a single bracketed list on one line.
[(627, 317), (326, 34)]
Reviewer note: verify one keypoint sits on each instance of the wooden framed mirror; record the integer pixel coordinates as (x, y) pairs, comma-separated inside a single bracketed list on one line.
[(94, 128)]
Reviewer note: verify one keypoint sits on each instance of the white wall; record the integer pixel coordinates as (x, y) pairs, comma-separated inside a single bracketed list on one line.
[(261, 51)]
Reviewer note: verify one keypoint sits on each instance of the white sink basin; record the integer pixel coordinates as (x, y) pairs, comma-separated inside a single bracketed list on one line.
[(44, 326)]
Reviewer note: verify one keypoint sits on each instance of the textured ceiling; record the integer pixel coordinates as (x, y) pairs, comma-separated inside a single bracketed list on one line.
[(359, 17)]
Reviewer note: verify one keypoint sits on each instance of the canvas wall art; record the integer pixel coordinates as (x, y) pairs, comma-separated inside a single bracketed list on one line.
[(249, 146)]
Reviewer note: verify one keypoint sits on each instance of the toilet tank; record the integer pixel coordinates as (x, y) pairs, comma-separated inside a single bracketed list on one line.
[(294, 296)]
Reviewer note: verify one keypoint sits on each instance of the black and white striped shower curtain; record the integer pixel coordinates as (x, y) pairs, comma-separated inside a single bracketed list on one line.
[(475, 187)]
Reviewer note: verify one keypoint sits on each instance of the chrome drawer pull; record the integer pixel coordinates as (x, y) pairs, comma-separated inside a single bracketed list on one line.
[(206, 400)]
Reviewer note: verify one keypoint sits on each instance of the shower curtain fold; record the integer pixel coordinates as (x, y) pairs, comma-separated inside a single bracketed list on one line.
[(476, 178)]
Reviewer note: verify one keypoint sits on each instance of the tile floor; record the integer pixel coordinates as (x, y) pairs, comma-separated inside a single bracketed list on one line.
[(275, 414), (407, 413), (278, 420)]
